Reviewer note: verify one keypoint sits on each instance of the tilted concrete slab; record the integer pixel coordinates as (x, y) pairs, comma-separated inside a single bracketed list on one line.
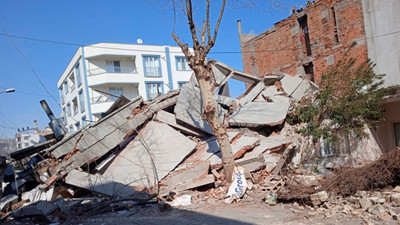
[(255, 114), (97, 132), (272, 143), (154, 152), (301, 90), (239, 147), (194, 183), (270, 91), (252, 94), (289, 83), (186, 172), (170, 119), (115, 136), (98, 183), (189, 108)]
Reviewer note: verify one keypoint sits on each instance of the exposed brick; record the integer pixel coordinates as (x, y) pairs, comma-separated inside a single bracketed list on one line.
[(280, 49)]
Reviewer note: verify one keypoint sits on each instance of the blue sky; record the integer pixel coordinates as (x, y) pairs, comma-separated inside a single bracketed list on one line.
[(89, 22)]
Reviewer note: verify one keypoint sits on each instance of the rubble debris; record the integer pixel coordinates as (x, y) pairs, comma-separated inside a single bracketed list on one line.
[(164, 148)]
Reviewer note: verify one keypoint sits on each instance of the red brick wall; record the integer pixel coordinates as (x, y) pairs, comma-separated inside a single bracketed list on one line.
[(280, 49)]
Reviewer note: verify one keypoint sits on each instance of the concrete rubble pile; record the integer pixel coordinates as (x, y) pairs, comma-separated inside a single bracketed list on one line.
[(163, 148)]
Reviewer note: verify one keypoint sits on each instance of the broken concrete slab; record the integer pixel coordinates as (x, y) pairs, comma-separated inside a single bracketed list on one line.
[(272, 143), (256, 114), (290, 83), (170, 119), (194, 183), (100, 129), (224, 72), (99, 184), (252, 93), (225, 101), (239, 147), (270, 91), (150, 156), (319, 198), (301, 90), (271, 160), (186, 172), (116, 135)]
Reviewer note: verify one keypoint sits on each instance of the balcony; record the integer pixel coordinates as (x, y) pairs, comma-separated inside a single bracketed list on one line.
[(117, 70)]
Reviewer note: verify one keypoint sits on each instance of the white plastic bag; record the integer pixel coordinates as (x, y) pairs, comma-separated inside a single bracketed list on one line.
[(238, 187)]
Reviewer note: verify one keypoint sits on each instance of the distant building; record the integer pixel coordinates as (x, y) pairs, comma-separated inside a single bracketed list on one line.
[(314, 38), (7, 146), (99, 73), (26, 139)]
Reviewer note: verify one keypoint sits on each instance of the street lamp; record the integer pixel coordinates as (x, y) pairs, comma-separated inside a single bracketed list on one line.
[(8, 90)]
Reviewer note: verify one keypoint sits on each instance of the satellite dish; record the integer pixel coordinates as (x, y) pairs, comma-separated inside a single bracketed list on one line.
[(139, 41)]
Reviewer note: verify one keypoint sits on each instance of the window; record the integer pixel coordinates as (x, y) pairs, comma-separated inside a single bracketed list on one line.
[(65, 87), (113, 67), (64, 115), (84, 122), (115, 93), (309, 70), (78, 75), (71, 128), (26, 137), (19, 139), (396, 127), (75, 105), (154, 89), (69, 109), (182, 63), (26, 144), (61, 95), (72, 79), (81, 101), (19, 146), (78, 125), (180, 83), (152, 66)]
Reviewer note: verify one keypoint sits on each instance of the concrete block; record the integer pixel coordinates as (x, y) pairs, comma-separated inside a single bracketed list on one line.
[(256, 114)]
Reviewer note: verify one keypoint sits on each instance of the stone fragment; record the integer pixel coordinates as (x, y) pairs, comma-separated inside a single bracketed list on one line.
[(395, 198), (364, 203), (319, 198)]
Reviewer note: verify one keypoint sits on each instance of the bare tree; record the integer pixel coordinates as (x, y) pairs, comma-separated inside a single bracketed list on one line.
[(202, 44)]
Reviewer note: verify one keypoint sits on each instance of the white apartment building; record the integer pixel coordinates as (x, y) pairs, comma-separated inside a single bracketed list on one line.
[(97, 73)]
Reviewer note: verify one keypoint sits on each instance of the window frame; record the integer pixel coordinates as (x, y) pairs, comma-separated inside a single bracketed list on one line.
[(159, 65), (177, 58), (69, 109), (81, 100), (78, 75), (180, 83), (161, 83)]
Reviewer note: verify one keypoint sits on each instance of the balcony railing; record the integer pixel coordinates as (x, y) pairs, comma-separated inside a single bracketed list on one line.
[(100, 99), (99, 71)]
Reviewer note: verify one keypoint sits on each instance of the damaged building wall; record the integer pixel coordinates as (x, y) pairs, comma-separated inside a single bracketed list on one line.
[(308, 41)]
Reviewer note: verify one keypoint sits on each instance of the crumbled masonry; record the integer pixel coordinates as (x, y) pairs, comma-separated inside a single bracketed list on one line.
[(150, 151)]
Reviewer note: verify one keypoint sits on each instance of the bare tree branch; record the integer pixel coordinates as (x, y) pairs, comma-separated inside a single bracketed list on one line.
[(211, 42), (208, 20), (192, 26)]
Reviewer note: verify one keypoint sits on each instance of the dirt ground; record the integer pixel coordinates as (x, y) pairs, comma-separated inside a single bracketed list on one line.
[(220, 213)]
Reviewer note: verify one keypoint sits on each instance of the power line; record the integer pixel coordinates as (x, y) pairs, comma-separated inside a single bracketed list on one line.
[(28, 63), (213, 52)]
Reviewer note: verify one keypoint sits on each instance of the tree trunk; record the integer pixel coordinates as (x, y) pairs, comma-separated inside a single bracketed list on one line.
[(210, 114)]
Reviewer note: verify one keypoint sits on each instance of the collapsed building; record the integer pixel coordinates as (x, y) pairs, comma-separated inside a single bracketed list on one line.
[(145, 149)]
